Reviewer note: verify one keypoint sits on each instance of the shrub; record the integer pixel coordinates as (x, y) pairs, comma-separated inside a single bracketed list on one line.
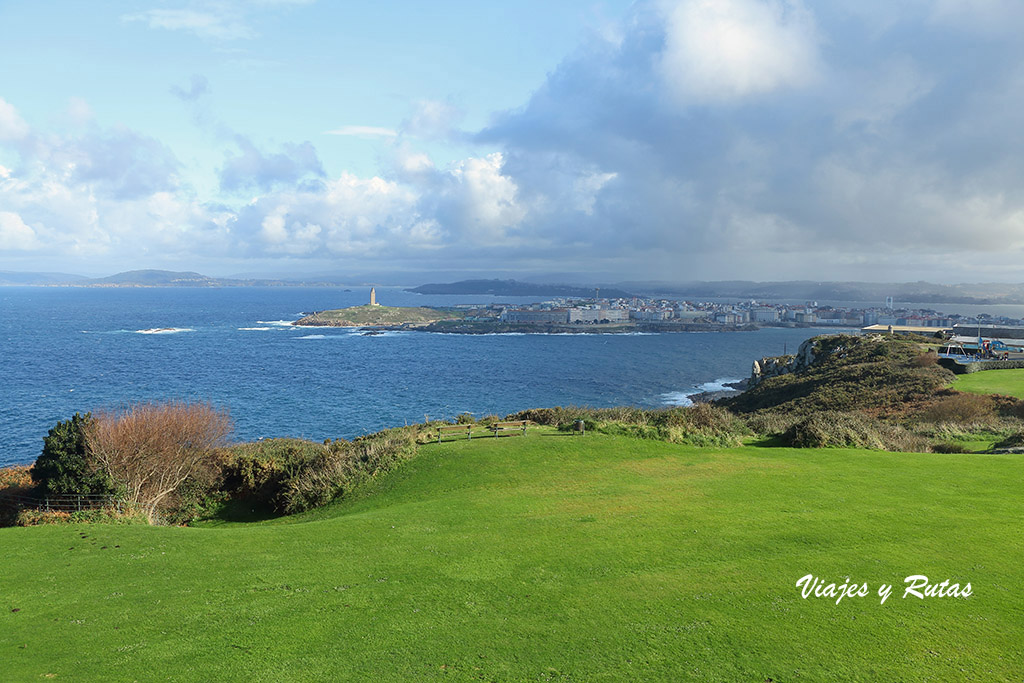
[(338, 471), (551, 417), (768, 423), (925, 360), (704, 424), (465, 419), (37, 517), (65, 466), (950, 447), (1014, 441), (831, 429), (152, 450), (961, 409), (261, 471)]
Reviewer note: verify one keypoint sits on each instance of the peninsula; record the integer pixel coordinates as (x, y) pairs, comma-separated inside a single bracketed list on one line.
[(371, 315)]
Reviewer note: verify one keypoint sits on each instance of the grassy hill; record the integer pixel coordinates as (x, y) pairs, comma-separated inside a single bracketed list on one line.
[(880, 375), (367, 316), (1002, 382), (549, 557)]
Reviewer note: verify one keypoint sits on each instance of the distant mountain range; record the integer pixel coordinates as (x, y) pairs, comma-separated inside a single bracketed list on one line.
[(799, 290), (515, 288), (13, 278), (141, 278), (863, 292)]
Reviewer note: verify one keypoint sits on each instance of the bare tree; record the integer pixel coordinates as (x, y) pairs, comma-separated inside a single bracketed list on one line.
[(153, 448)]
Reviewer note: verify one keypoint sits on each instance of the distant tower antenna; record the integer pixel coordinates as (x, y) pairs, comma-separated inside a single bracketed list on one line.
[(597, 292), (888, 302)]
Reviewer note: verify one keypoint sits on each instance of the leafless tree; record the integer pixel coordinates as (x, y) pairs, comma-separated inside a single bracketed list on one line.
[(153, 448)]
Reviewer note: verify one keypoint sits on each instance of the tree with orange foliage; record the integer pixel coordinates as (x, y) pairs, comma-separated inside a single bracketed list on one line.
[(151, 449)]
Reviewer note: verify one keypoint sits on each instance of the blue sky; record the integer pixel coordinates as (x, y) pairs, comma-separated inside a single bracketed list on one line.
[(673, 140)]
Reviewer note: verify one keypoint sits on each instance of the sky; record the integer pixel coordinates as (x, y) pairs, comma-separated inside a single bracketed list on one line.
[(668, 140)]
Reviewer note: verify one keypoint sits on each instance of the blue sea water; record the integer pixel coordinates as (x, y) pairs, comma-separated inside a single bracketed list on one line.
[(64, 350)]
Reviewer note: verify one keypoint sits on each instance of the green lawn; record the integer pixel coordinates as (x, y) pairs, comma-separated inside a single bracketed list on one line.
[(1006, 382), (549, 557)]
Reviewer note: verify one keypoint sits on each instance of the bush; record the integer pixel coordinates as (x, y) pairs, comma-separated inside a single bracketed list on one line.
[(261, 471), (1014, 441), (768, 423), (925, 360), (961, 409), (340, 469), (950, 447), (465, 419), (831, 429), (162, 455), (36, 517), (65, 466), (704, 424)]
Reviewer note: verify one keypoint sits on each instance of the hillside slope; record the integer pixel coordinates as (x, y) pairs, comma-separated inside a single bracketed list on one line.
[(549, 558), (844, 372)]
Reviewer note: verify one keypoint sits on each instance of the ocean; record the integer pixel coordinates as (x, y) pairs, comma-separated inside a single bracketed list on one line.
[(87, 349)]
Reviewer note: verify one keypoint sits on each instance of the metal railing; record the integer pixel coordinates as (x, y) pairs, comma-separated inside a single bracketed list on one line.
[(59, 503)]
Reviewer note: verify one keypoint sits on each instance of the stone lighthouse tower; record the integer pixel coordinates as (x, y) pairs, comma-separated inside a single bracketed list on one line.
[(373, 296)]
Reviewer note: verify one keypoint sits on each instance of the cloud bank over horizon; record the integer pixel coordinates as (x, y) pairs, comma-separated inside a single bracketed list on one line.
[(698, 139)]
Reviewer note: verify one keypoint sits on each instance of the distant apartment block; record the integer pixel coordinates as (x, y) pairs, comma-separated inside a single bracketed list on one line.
[(764, 314), (598, 315), (552, 316)]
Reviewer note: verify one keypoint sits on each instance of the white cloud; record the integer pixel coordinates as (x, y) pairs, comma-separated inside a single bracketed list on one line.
[(79, 111), (224, 25), (587, 187), (484, 200), (254, 168), (12, 127), (432, 119), (15, 235), (722, 50), (363, 132)]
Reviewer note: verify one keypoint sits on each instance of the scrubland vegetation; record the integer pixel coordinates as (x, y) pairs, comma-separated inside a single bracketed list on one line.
[(172, 463), (664, 545)]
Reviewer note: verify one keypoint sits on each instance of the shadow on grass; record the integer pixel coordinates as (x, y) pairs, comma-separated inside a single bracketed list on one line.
[(240, 512), (765, 442)]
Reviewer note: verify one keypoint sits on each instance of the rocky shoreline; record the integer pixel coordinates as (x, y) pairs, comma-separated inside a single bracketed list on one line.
[(712, 396)]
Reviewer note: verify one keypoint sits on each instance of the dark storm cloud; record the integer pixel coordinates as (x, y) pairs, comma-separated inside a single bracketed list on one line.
[(900, 136)]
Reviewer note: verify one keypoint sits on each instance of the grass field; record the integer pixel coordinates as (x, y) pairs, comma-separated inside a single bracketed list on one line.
[(1005, 382), (545, 558)]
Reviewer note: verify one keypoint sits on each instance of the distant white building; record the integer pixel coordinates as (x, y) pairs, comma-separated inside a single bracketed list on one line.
[(764, 314), (552, 316)]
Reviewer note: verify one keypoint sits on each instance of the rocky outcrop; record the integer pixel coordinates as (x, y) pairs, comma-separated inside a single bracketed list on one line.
[(773, 366)]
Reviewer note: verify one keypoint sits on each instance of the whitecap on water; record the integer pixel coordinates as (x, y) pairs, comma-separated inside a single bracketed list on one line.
[(682, 398), (164, 330)]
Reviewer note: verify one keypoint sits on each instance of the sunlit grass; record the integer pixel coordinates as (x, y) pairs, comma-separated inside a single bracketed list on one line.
[(1005, 382), (549, 557)]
